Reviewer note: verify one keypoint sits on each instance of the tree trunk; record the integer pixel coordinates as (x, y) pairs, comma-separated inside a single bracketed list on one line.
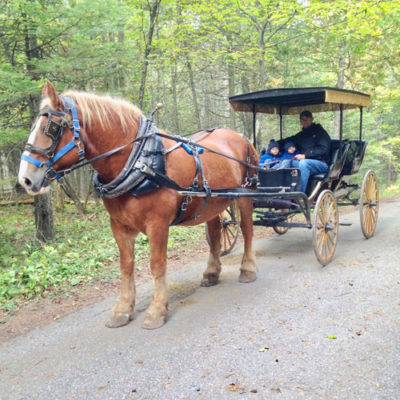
[(339, 85), (194, 94), (43, 207), (231, 92), (154, 9), (174, 96), (44, 217), (70, 192), (59, 198)]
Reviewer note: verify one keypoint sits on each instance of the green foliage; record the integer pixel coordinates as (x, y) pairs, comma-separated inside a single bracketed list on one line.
[(84, 250)]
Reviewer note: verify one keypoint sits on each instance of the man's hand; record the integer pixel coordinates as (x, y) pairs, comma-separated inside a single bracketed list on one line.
[(300, 156)]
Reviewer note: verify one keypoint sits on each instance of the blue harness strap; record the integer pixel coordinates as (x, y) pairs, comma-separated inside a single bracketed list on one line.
[(34, 161)]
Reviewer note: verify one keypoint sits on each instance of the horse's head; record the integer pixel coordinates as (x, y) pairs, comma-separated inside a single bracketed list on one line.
[(54, 134)]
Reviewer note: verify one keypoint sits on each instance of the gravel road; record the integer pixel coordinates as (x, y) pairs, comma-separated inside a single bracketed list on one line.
[(301, 331)]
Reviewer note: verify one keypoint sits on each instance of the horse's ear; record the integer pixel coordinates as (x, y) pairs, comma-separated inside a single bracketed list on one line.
[(50, 92)]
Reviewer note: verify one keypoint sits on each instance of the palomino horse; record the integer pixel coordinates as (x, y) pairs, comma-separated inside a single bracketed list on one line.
[(102, 123)]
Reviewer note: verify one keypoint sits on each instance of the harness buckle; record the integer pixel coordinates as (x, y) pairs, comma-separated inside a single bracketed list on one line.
[(144, 169), (184, 204)]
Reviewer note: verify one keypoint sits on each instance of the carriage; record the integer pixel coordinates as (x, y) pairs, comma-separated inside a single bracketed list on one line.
[(155, 180), (278, 200)]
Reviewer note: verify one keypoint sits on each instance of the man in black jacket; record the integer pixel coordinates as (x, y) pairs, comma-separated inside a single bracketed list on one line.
[(314, 145)]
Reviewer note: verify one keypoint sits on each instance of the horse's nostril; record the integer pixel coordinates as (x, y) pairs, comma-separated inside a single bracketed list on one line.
[(27, 182)]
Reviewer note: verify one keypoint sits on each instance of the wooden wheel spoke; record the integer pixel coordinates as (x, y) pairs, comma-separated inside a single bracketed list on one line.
[(332, 239), (225, 246), (325, 226), (369, 204)]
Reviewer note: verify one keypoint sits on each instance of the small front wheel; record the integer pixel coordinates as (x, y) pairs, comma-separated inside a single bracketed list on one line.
[(230, 227), (369, 204), (325, 227), (281, 230)]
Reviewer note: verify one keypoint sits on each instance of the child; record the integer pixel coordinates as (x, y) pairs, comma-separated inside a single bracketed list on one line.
[(271, 156), (287, 160)]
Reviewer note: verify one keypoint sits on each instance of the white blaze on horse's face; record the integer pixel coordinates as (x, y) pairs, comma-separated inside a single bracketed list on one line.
[(30, 177)]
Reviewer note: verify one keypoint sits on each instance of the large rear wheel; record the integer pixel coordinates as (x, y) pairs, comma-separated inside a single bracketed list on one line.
[(230, 226), (325, 227), (369, 204)]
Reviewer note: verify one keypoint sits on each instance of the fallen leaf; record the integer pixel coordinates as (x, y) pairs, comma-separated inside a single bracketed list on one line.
[(276, 389), (378, 385), (331, 337), (235, 387)]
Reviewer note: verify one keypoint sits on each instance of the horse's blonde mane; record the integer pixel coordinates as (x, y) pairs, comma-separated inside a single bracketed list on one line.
[(104, 108)]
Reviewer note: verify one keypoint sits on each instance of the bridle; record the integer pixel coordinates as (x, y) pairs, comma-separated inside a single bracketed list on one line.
[(55, 130)]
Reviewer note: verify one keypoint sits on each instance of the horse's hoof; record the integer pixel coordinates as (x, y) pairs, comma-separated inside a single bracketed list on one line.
[(151, 322), (118, 319), (211, 280), (247, 276)]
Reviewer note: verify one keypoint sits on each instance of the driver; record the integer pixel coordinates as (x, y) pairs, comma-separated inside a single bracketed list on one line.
[(314, 145)]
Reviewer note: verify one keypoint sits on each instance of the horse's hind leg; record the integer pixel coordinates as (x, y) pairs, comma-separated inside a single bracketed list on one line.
[(157, 312), (123, 310), (211, 274), (248, 269)]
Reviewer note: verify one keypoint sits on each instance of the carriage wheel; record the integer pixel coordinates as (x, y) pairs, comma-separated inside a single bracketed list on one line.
[(230, 222), (281, 230), (369, 204), (325, 227)]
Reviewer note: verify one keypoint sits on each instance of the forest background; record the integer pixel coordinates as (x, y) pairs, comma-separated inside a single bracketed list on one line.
[(191, 55)]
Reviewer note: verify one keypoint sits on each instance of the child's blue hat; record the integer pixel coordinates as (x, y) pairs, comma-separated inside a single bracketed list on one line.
[(272, 144), (289, 144)]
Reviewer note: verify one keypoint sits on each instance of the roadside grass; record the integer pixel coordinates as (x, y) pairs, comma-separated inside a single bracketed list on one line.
[(83, 251)]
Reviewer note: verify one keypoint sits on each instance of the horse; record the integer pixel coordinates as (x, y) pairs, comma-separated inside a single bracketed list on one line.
[(93, 125)]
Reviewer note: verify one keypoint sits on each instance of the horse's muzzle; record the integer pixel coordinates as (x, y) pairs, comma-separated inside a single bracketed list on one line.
[(33, 181)]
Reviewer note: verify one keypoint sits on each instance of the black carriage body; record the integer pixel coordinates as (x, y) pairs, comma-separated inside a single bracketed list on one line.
[(286, 178)]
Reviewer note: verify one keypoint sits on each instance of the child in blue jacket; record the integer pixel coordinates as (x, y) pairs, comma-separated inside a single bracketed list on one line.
[(271, 157), (287, 159)]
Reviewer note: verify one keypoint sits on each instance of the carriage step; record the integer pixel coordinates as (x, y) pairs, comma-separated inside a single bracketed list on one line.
[(345, 223)]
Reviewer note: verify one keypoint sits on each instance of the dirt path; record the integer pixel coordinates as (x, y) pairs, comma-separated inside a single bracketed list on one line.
[(43, 311), (40, 312), (299, 331)]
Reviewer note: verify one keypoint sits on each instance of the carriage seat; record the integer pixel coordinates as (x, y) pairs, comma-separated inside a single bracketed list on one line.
[(338, 158), (355, 157)]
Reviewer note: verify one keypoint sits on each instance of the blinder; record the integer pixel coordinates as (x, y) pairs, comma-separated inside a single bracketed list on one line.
[(53, 129)]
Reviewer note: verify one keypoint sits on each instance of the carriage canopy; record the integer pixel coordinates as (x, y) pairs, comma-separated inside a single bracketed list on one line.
[(294, 100)]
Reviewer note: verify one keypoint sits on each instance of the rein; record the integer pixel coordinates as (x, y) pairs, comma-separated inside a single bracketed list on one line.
[(55, 131)]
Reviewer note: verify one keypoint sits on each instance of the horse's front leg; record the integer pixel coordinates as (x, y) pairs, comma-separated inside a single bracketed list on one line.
[(211, 274), (248, 269), (157, 312), (123, 310)]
